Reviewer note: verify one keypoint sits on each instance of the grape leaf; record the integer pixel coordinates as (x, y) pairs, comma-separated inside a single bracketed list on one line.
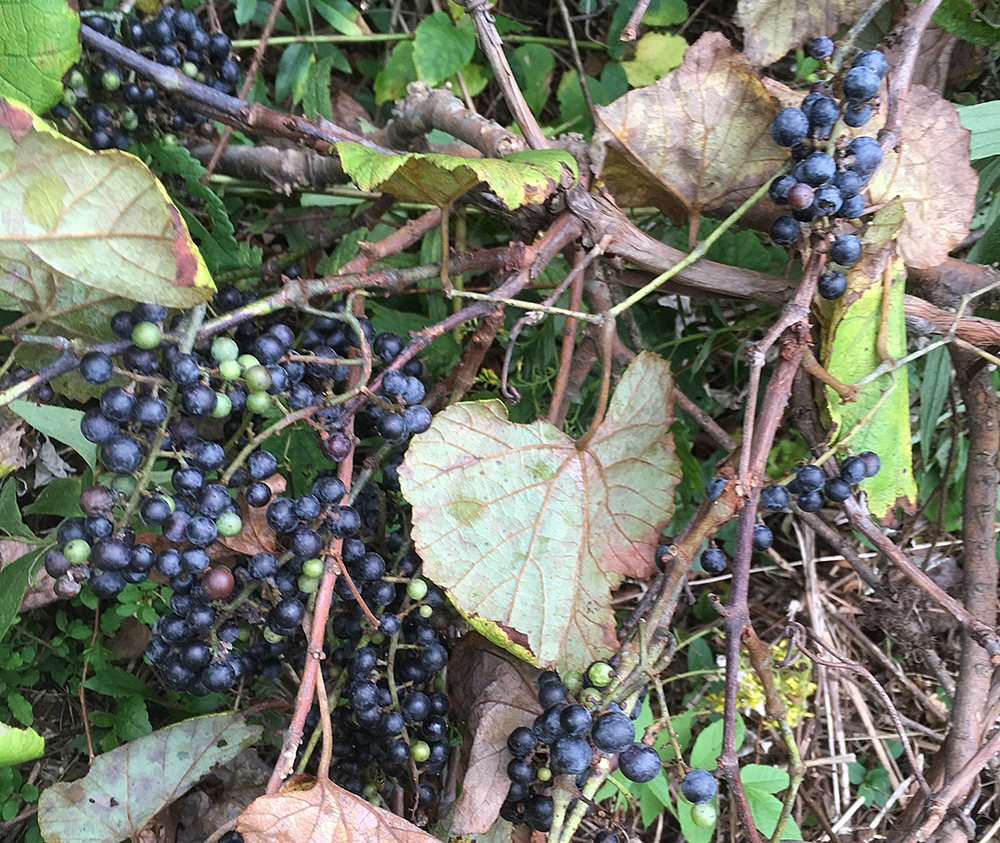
[(38, 43), (491, 696), (528, 532), (126, 787), (673, 144), (101, 219), (773, 27), (14, 580), (324, 813), (441, 48), (522, 178)]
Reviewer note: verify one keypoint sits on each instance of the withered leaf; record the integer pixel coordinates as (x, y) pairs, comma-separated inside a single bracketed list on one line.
[(773, 27), (324, 814), (492, 694), (256, 535), (694, 142)]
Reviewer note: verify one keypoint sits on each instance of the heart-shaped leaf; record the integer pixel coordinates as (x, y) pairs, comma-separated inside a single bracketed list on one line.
[(674, 144), (99, 219), (38, 43), (529, 533), (126, 787)]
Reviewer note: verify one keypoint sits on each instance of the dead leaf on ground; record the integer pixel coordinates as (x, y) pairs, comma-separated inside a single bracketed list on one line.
[(492, 694), (11, 455), (256, 535), (773, 27), (697, 141), (324, 814)]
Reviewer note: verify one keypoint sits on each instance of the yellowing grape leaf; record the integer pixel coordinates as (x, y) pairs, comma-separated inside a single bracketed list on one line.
[(522, 178), (38, 43), (773, 27), (100, 219), (696, 141), (126, 787), (529, 533), (490, 696), (324, 813), (655, 55)]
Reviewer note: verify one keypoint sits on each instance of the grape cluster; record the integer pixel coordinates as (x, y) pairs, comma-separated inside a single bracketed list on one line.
[(828, 175), (113, 103), (810, 487), (570, 738)]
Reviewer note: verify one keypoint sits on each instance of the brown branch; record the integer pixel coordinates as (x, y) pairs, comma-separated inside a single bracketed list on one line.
[(462, 376), (632, 25)]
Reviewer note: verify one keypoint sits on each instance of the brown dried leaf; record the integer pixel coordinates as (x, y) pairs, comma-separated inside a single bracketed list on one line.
[(11, 455), (324, 814), (773, 27), (933, 177), (694, 142), (256, 535), (492, 693)]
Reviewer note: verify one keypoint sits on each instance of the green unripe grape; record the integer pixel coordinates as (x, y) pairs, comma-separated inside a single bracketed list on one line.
[(416, 589), (590, 696), (125, 484), (313, 567), (426, 611), (229, 524), (225, 348), (129, 120), (201, 77), (310, 585), (270, 636), (77, 79), (223, 406), (704, 815), (259, 402), (111, 81), (573, 680), (599, 674), (146, 335), (243, 635), (189, 69), (257, 378), (370, 791), (544, 774), (76, 551), (69, 98), (247, 361), (229, 370), (169, 139), (420, 751)]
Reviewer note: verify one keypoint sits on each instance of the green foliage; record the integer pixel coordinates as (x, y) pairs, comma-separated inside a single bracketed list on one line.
[(61, 423), (964, 20), (38, 43)]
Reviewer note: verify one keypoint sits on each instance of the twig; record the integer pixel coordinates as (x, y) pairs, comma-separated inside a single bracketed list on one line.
[(80, 689), (577, 60), (629, 32)]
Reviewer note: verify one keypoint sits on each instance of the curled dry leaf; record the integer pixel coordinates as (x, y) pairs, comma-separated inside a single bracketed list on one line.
[(256, 535), (696, 141), (773, 27), (324, 814), (492, 694)]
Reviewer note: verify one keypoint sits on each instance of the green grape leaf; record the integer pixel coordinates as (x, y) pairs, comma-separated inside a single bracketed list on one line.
[(708, 745), (656, 54), (532, 65), (38, 43), (671, 144), (983, 120), (529, 532), (126, 787), (100, 219), (61, 423), (759, 783), (316, 94), (14, 579), (933, 394), (441, 48), (773, 27), (19, 745), (11, 522), (523, 178), (875, 421), (398, 72)]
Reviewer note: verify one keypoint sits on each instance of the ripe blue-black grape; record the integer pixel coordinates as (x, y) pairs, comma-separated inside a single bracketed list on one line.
[(117, 403), (639, 763), (827, 200), (845, 250), (820, 47), (853, 470), (575, 720), (570, 755), (818, 168), (551, 694), (832, 285), (860, 83), (762, 537), (121, 454), (858, 114), (823, 112), (784, 231), (612, 732), (775, 498), (538, 811), (852, 207), (873, 60), (715, 487), (810, 501), (789, 126), (801, 196), (778, 190), (810, 477), (837, 489), (96, 367), (698, 786), (866, 153), (848, 183), (713, 561)]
